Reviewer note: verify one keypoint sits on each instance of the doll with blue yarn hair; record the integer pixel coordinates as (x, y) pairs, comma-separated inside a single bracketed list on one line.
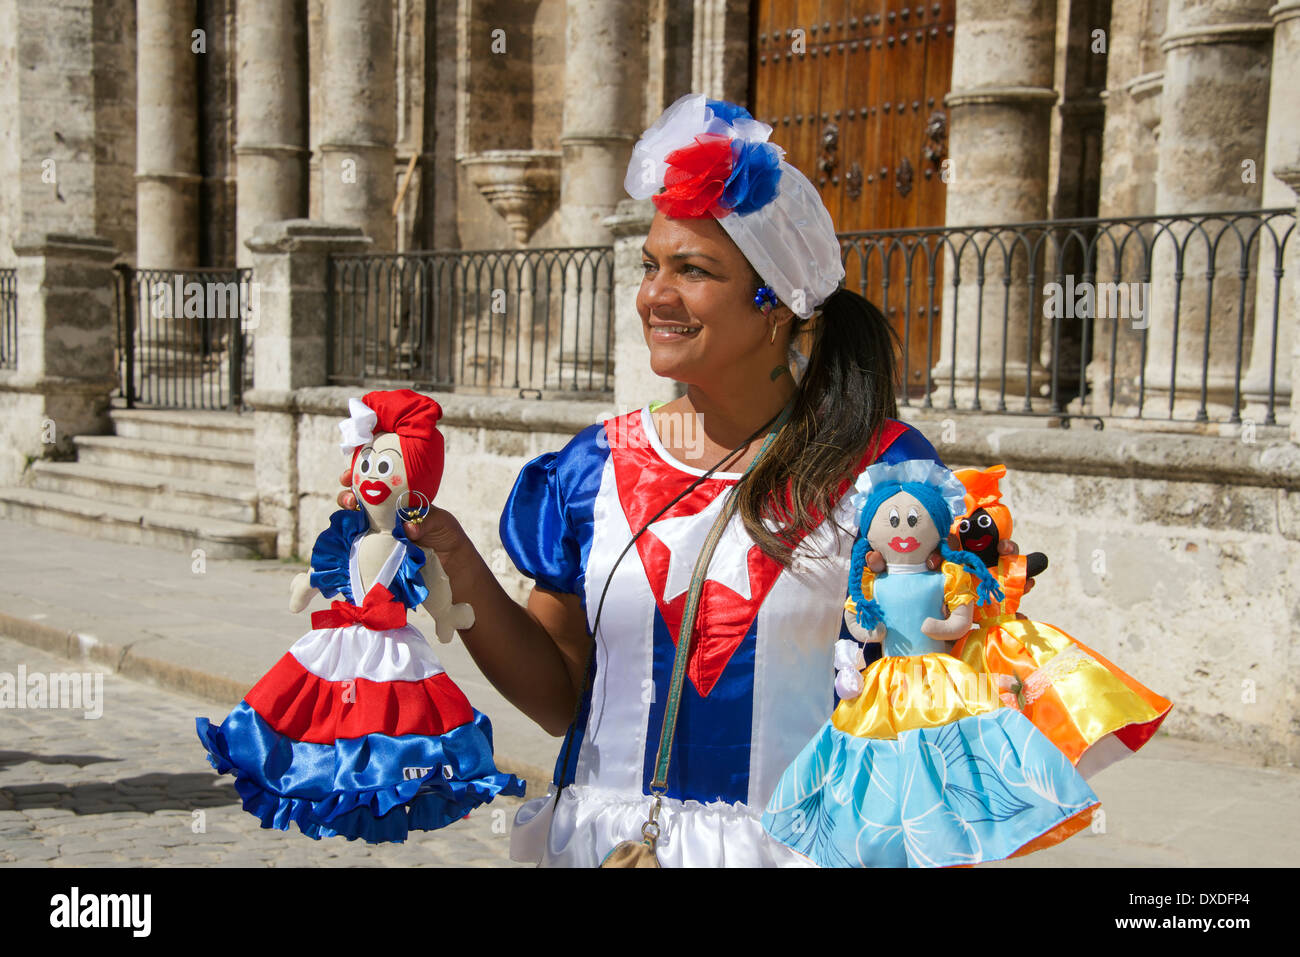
[(921, 763)]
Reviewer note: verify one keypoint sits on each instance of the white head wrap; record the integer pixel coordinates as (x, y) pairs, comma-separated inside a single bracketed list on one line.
[(359, 427), (790, 241)]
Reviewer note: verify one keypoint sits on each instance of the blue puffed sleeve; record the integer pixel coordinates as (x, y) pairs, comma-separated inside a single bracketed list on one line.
[(329, 556), (546, 525)]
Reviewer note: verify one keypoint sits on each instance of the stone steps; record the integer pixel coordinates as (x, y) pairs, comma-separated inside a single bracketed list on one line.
[(134, 525), (217, 430), (170, 479), (172, 459), (186, 496)]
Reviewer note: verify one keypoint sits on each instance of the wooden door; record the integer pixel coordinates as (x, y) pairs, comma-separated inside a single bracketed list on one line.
[(856, 100)]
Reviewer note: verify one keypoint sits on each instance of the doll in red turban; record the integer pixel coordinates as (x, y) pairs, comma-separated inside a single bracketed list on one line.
[(357, 731)]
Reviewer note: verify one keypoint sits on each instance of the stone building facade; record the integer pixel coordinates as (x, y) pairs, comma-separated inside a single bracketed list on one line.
[(274, 134)]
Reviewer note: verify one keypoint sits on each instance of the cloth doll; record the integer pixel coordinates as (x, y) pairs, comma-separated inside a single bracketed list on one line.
[(921, 763), (1090, 709), (357, 731)]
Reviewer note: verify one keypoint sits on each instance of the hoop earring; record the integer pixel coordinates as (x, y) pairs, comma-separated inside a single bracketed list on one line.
[(414, 515)]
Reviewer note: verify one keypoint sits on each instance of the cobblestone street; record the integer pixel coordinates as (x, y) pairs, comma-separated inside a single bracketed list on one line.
[(133, 788)]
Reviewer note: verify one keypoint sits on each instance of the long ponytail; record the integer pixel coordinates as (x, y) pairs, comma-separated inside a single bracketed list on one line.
[(846, 393)]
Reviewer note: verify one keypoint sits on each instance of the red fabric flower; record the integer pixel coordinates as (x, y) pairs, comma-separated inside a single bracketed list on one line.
[(696, 177)]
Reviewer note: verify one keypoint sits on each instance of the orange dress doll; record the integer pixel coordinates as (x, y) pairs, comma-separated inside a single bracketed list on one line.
[(1090, 709)]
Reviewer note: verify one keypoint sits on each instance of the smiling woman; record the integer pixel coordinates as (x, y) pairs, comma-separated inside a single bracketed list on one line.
[(740, 259)]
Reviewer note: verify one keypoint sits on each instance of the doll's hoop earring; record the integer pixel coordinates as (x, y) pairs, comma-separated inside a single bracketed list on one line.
[(414, 515)]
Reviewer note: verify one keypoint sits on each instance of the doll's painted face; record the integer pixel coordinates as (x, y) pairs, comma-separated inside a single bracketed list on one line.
[(979, 535), (379, 478), (902, 530)]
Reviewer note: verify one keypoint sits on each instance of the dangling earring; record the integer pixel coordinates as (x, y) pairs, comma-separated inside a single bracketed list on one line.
[(773, 339), (414, 515)]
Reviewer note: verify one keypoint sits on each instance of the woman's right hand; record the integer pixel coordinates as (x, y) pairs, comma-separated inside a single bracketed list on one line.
[(439, 532)]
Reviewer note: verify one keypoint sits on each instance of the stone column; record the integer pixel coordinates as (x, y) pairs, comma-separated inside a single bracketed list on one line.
[(1000, 113), (167, 137), (66, 335), (358, 122), (291, 268), (1269, 364), (1290, 176), (634, 383), (604, 63), (272, 148), (1213, 119), (720, 60), (605, 57)]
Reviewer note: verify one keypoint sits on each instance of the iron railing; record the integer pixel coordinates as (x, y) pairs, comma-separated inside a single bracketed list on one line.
[(1179, 316), (531, 322), (8, 318), (184, 336)]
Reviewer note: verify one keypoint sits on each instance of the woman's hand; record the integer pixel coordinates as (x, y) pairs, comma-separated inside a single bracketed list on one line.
[(439, 532)]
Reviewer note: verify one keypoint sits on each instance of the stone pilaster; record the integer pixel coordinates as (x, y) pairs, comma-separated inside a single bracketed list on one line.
[(66, 335), (1269, 366), (720, 60), (634, 382), (1213, 120), (272, 147), (291, 267), (358, 121), (167, 165), (1000, 112)]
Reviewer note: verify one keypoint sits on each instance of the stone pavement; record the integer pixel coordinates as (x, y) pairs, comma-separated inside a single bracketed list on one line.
[(177, 636)]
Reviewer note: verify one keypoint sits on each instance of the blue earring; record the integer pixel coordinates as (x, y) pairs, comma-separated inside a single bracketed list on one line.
[(765, 299)]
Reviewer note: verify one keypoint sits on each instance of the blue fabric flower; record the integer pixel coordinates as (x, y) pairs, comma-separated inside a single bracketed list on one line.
[(728, 111), (755, 176)]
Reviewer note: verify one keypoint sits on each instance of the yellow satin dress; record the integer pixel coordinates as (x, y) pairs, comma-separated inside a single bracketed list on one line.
[(1090, 709)]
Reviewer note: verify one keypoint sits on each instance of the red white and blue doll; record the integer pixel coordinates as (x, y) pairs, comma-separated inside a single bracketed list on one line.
[(358, 731), (921, 764)]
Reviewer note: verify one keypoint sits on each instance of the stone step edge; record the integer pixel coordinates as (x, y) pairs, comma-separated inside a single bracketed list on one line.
[(199, 419), (212, 529), (158, 483), (122, 443), (125, 661)]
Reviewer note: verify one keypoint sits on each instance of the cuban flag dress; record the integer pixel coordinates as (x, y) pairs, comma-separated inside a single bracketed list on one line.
[(760, 680), (357, 731)]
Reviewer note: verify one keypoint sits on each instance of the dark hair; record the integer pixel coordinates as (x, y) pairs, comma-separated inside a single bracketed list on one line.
[(842, 401)]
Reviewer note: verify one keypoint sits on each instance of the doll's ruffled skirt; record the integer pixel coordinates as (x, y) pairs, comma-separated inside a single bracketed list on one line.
[(358, 734), (926, 768), (1087, 707)]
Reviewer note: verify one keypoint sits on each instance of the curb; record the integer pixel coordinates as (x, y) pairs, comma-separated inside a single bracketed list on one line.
[(121, 660)]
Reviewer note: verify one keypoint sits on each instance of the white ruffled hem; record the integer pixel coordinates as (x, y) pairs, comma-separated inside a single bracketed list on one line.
[(354, 651), (589, 822)]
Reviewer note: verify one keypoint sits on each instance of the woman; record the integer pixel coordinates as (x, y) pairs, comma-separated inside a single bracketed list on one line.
[(736, 228)]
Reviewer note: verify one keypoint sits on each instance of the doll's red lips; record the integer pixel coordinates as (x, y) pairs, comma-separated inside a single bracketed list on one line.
[(979, 544), (904, 544), (374, 492)]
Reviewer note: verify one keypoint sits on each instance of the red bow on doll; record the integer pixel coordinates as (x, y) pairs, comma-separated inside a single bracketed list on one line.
[(379, 612)]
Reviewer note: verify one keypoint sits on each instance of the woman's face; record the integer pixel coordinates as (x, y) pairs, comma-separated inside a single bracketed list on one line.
[(696, 303)]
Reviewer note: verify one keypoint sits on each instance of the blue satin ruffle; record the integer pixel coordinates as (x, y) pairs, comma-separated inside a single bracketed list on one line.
[(975, 790), (547, 522), (329, 560), (355, 787)]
